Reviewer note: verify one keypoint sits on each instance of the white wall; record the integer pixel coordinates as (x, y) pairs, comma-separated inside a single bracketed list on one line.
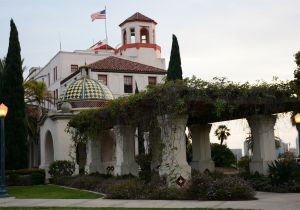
[(62, 140), (115, 81), (63, 61)]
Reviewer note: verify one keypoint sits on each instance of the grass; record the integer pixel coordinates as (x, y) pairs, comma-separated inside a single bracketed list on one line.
[(49, 192), (68, 208)]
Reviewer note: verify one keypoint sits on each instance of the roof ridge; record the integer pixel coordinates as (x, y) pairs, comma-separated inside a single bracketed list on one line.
[(138, 17), (123, 65), (111, 56)]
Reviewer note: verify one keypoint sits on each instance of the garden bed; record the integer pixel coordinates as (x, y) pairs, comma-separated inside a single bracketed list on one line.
[(215, 186)]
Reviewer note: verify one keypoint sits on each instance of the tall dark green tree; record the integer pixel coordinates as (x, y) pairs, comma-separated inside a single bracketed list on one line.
[(2, 66), (13, 97), (174, 70)]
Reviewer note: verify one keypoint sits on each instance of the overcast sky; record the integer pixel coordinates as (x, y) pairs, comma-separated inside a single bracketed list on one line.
[(241, 40)]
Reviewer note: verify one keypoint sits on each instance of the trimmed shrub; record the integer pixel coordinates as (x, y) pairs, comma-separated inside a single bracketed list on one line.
[(61, 168), (230, 188), (222, 155), (30, 176)]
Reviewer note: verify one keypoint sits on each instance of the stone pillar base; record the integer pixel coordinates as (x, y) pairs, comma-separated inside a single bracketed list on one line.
[(260, 166), (183, 170), (46, 168), (124, 169), (93, 168), (203, 165)]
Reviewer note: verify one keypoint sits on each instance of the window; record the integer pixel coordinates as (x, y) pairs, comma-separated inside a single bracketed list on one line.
[(48, 79), (55, 73), (152, 80), (132, 35), (102, 78), (127, 84), (144, 36), (74, 68), (55, 96), (124, 37)]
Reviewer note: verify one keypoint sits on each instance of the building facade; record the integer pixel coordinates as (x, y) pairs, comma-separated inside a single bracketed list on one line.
[(100, 69)]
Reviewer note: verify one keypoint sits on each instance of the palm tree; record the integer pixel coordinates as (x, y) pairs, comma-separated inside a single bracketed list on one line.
[(250, 143), (35, 93), (222, 133)]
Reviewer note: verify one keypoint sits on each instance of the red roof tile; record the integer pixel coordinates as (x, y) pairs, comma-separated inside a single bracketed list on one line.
[(138, 17), (101, 46), (120, 65)]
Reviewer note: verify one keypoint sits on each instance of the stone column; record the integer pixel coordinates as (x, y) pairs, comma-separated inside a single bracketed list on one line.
[(262, 131), (156, 147), (125, 148), (93, 159), (174, 164), (201, 148), (146, 142)]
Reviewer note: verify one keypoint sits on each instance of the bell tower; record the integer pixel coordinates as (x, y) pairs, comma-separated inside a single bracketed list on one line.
[(139, 41)]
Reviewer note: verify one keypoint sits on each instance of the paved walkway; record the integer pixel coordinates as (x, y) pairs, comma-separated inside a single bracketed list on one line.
[(267, 201)]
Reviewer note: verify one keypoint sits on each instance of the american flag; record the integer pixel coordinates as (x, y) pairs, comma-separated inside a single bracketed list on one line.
[(98, 15)]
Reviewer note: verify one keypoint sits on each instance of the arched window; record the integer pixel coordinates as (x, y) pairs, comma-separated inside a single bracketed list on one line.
[(144, 35), (124, 37)]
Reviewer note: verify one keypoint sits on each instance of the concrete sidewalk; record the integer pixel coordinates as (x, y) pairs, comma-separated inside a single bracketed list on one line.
[(267, 201)]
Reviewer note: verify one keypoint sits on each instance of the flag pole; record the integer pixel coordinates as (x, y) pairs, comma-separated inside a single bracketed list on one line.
[(106, 28)]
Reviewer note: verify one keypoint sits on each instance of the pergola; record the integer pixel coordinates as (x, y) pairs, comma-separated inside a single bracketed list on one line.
[(165, 111)]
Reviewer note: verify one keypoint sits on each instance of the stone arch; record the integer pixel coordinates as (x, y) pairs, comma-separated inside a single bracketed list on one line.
[(144, 34), (49, 150)]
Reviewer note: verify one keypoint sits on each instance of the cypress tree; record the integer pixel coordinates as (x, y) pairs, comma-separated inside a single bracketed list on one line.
[(174, 70), (2, 65), (13, 97)]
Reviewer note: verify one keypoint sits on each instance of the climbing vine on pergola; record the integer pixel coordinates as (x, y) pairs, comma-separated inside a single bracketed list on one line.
[(202, 101)]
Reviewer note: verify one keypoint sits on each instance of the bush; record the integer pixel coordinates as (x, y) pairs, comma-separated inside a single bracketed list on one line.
[(222, 155), (199, 185), (243, 163), (264, 183), (127, 189), (137, 189), (61, 168), (94, 182), (167, 193), (144, 161), (284, 171), (230, 188), (30, 176)]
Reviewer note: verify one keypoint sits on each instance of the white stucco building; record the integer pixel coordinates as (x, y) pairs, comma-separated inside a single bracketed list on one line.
[(114, 72), (138, 45)]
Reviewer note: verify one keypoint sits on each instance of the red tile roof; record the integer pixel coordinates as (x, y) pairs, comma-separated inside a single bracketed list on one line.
[(120, 65), (101, 46), (138, 17)]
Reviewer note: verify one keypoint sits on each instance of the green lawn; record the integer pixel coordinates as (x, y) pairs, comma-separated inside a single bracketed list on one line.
[(68, 208), (49, 192)]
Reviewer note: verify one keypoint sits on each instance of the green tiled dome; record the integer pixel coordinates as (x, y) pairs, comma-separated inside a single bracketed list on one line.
[(87, 89)]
